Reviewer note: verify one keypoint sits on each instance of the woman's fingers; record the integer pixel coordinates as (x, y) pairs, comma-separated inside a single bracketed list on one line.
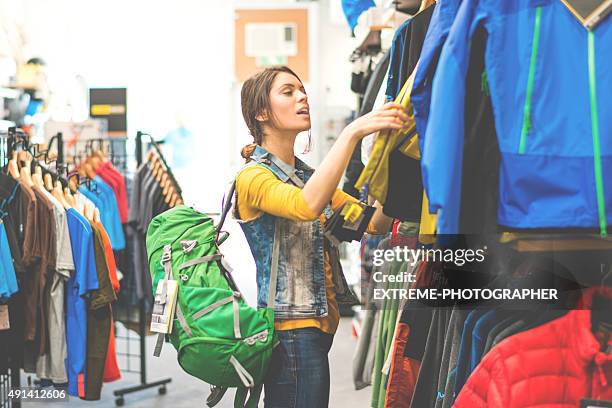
[(394, 113), (404, 119), (389, 124), (392, 105), (389, 116)]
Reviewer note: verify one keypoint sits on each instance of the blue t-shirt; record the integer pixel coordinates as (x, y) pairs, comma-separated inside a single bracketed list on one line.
[(81, 283), (95, 199), (8, 281), (104, 198), (112, 210)]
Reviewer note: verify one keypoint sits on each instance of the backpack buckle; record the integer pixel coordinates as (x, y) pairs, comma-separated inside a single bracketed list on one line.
[(167, 255), (261, 336), (188, 245)]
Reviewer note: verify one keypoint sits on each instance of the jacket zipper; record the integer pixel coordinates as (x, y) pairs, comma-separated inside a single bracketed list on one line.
[(530, 80), (599, 186)]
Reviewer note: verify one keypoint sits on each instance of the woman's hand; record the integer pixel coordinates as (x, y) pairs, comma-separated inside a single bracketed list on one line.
[(389, 116), (321, 186)]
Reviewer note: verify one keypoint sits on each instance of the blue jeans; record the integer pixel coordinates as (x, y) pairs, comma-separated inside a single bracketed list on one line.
[(298, 376)]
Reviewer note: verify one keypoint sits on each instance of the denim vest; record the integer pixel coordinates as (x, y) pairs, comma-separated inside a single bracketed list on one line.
[(300, 288)]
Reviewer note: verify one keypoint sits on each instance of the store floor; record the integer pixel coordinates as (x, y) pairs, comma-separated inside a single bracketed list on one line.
[(188, 392)]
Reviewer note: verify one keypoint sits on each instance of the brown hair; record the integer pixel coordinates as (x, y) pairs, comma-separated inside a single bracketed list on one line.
[(255, 99)]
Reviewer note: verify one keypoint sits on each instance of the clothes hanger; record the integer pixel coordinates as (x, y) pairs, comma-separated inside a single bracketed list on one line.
[(89, 211), (99, 153), (72, 183), (48, 181), (167, 197), (157, 173), (57, 193), (89, 171), (164, 183), (79, 202), (13, 168), (167, 190), (94, 162), (81, 171), (70, 198), (26, 175), (37, 177)]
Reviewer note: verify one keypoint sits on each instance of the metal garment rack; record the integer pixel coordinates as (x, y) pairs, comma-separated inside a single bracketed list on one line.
[(9, 378), (139, 351)]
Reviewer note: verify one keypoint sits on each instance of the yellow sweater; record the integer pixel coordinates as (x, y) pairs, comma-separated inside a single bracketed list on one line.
[(259, 191)]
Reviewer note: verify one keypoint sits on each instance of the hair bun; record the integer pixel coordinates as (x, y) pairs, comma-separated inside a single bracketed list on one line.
[(247, 151)]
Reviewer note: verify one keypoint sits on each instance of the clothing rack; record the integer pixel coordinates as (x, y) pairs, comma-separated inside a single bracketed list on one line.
[(157, 149), (10, 378), (116, 149), (8, 142), (140, 354)]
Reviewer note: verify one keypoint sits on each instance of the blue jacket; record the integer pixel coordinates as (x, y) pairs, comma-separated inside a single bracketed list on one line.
[(549, 80), (439, 26), (394, 85)]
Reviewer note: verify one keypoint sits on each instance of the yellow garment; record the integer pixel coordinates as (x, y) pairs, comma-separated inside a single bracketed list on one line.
[(376, 172), (427, 228), (259, 191)]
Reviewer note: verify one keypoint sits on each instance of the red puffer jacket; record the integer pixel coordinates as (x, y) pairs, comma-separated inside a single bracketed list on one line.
[(552, 366)]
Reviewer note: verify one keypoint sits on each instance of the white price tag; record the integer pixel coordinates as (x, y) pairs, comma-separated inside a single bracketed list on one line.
[(163, 309)]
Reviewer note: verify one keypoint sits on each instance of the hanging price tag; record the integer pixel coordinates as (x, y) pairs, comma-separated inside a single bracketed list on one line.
[(163, 308), (589, 12), (4, 318)]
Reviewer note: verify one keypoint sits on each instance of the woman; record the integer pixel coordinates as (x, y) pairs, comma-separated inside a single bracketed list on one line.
[(282, 205)]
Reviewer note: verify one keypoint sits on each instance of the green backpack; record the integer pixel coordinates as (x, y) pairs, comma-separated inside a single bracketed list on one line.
[(219, 338)]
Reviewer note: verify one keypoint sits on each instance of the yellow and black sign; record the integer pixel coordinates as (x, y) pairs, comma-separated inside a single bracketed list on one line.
[(110, 104)]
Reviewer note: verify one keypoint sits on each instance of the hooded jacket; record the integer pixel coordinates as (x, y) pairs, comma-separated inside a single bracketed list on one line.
[(548, 78)]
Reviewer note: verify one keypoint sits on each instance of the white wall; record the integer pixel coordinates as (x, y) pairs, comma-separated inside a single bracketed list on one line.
[(176, 59), (330, 71)]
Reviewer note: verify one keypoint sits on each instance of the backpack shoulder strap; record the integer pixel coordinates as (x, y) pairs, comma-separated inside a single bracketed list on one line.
[(228, 201)]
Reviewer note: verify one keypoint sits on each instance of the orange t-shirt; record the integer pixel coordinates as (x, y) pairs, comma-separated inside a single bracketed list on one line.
[(111, 368), (110, 258)]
